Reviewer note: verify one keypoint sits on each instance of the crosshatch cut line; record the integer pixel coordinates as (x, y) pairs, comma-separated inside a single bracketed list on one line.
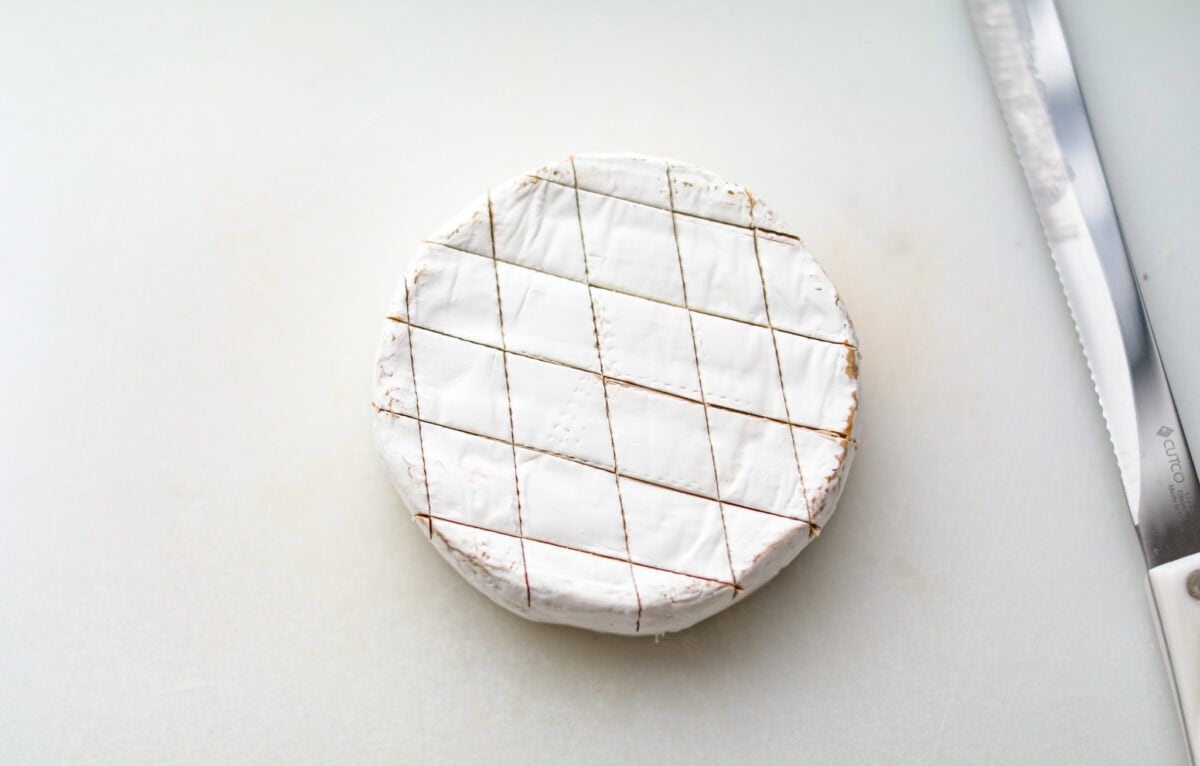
[(712, 450), (787, 412), (443, 520), (619, 381), (774, 232), (605, 469), (412, 368), (587, 280), (508, 397), (628, 294)]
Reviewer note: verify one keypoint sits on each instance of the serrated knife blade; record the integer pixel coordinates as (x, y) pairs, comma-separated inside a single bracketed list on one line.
[(1034, 78)]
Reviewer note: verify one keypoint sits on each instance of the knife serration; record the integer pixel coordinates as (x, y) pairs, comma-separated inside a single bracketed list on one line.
[(1031, 69)]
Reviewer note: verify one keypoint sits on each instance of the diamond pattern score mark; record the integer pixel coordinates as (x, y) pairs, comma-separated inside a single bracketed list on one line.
[(607, 410)]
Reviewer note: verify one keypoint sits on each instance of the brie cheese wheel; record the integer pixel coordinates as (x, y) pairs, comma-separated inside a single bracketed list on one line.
[(617, 393)]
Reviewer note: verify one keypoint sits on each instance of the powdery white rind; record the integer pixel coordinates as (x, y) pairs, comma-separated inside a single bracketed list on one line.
[(617, 393)]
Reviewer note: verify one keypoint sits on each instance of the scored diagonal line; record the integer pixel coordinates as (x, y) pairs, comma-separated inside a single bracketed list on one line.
[(697, 216), (619, 291), (787, 412), (587, 464), (412, 368), (613, 379), (609, 557), (508, 395), (587, 279), (712, 450)]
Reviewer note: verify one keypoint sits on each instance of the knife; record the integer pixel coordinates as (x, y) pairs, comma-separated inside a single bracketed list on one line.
[(1031, 70)]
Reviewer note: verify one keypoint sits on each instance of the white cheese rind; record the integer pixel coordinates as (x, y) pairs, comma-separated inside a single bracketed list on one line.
[(617, 394)]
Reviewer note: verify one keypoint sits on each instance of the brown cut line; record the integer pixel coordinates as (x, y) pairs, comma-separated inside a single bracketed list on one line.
[(617, 381), (626, 293), (696, 216), (507, 396), (668, 570), (587, 278), (589, 464), (712, 450)]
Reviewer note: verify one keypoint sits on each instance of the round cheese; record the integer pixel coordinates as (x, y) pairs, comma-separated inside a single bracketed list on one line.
[(617, 393)]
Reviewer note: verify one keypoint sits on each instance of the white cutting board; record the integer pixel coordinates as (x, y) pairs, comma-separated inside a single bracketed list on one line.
[(203, 211)]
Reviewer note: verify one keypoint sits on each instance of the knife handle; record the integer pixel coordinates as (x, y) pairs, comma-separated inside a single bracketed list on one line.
[(1175, 592)]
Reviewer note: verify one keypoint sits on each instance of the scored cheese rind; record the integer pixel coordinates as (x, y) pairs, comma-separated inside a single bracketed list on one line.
[(617, 393)]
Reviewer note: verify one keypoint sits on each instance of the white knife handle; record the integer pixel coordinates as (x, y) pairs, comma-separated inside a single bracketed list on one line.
[(1175, 590)]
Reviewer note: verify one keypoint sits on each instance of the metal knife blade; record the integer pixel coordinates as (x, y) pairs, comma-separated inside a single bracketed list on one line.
[(1034, 78)]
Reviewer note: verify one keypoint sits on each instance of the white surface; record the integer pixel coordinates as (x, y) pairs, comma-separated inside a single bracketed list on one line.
[(631, 419), (202, 213)]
